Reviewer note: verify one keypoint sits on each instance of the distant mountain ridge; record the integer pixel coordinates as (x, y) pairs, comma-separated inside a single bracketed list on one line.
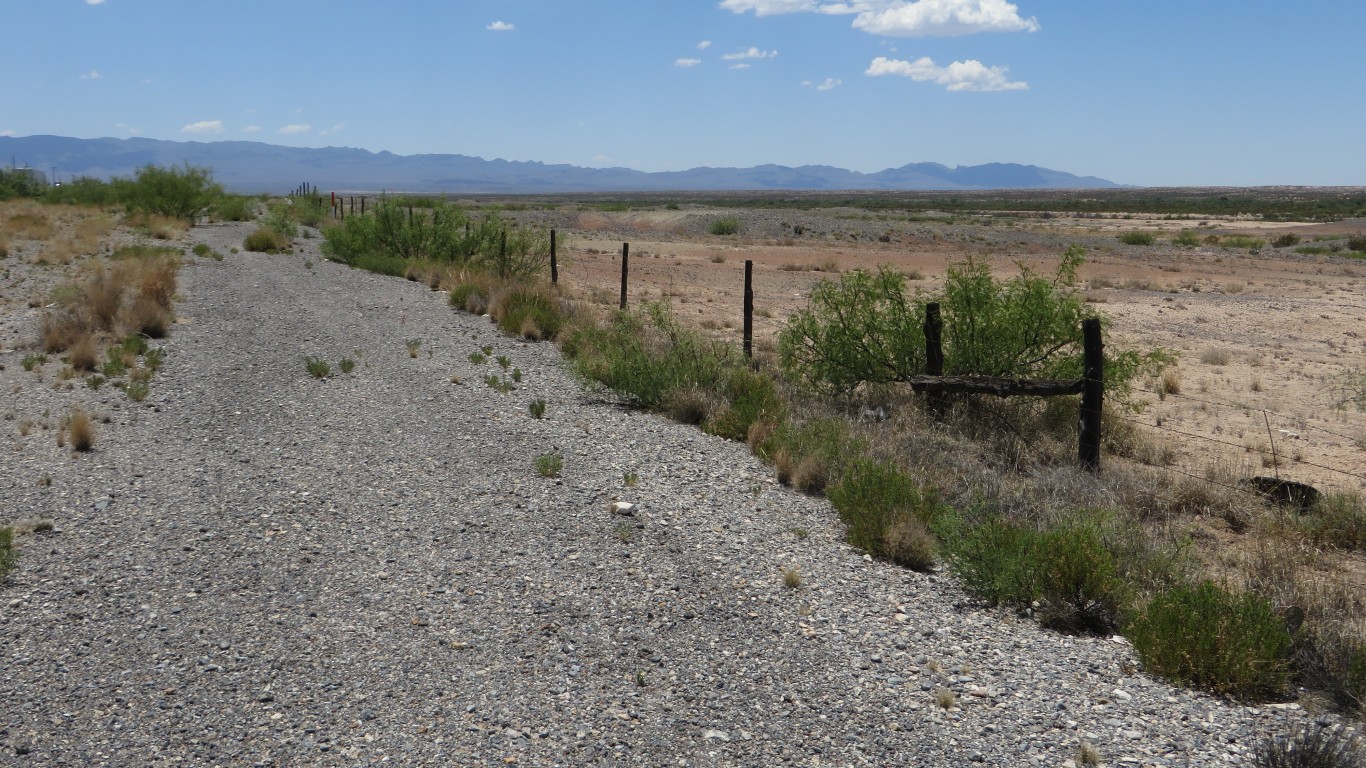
[(248, 166)]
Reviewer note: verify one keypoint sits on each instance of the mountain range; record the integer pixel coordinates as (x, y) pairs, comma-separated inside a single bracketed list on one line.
[(250, 167)]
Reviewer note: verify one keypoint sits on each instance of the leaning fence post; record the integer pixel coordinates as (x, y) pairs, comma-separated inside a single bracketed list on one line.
[(554, 268), (625, 259), (1092, 390), (749, 308), (934, 353)]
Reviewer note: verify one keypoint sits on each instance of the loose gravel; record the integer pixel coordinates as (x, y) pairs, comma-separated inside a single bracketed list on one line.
[(259, 567)]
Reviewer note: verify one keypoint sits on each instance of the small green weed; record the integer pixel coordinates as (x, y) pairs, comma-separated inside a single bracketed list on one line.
[(317, 367), (487, 349), (94, 381), (137, 390), (630, 479), (517, 375), (499, 384), (413, 345), (537, 408), (549, 464), (1137, 238), (33, 361), (478, 358), (346, 365), (503, 362), (9, 556)]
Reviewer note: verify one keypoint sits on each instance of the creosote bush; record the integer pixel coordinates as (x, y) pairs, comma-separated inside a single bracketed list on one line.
[(1066, 567), (1208, 637)]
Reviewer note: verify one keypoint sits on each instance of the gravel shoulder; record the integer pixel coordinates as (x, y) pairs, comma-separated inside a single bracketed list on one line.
[(258, 567)]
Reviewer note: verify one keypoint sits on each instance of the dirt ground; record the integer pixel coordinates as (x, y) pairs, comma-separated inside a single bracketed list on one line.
[(1265, 337)]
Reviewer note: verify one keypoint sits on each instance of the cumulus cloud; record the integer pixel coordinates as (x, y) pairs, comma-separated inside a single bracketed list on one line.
[(741, 65), (905, 18), (296, 128), (752, 53), (501, 26), (94, 2), (970, 75), (828, 84), (204, 126), (704, 45), (252, 129), (685, 63), (334, 129), (92, 75)]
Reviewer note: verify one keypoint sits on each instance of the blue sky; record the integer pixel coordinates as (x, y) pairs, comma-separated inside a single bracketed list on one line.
[(1165, 92)]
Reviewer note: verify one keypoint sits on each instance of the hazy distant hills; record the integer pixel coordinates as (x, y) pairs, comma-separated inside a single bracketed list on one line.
[(248, 166)]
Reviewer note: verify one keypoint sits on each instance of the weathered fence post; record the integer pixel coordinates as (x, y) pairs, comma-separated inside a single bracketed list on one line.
[(1093, 388), (362, 206), (554, 268), (749, 308), (625, 259), (934, 353)]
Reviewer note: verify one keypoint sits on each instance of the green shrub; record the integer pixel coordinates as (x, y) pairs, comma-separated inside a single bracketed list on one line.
[(1207, 637), (887, 513), (864, 329), (1137, 238), (179, 193), (537, 408), (549, 464), (87, 190), (346, 365), (531, 313), (1286, 240), (750, 397), (1357, 244), (470, 297), (1187, 238), (728, 225), (1241, 241), (644, 354), (1066, 567), (234, 208), (9, 556), (266, 240)]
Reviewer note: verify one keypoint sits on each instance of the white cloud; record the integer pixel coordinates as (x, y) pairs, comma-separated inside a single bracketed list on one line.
[(204, 126), (501, 26), (769, 7), (828, 84), (970, 75), (251, 129), (296, 128), (752, 53), (128, 129), (685, 63), (741, 65), (704, 45), (334, 129), (905, 18), (94, 2), (92, 75), (8, 133)]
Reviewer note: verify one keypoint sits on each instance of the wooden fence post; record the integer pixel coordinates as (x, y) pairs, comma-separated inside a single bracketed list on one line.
[(749, 308), (1093, 388), (625, 260), (934, 353), (554, 268)]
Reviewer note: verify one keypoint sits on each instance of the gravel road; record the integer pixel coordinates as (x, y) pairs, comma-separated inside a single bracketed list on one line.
[(258, 567)]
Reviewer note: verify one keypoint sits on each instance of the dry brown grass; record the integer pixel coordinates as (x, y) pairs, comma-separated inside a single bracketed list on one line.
[(30, 223), (82, 431), (60, 330), (82, 353), (148, 317), (159, 227)]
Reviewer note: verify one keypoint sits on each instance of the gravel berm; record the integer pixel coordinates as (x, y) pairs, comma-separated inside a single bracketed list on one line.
[(259, 567)]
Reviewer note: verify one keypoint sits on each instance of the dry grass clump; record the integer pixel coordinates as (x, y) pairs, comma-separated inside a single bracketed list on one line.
[(30, 224), (158, 226), (82, 431), (60, 330), (82, 353), (1216, 356), (148, 317)]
